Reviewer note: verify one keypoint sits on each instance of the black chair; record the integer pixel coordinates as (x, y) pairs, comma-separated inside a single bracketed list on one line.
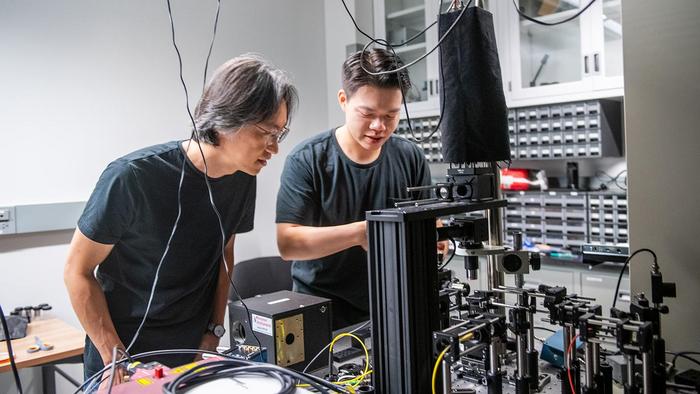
[(261, 275)]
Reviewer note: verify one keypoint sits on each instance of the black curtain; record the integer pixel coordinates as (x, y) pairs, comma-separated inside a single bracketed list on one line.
[(475, 119)]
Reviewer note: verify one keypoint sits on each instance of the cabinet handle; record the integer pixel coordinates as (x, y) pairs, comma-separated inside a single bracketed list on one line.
[(585, 64), (596, 63)]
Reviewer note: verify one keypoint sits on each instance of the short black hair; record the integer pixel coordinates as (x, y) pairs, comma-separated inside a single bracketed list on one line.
[(374, 60)]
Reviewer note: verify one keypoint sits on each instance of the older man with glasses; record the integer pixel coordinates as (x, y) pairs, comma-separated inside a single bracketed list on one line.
[(176, 204)]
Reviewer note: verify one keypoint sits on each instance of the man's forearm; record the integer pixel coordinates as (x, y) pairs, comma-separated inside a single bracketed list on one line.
[(221, 293), (90, 306), (306, 242)]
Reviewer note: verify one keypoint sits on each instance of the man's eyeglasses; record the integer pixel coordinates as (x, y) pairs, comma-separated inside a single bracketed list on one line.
[(278, 135)]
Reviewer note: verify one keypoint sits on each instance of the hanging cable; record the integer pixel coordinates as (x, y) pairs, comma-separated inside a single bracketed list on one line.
[(6, 332), (206, 167), (622, 271), (194, 136), (391, 47)]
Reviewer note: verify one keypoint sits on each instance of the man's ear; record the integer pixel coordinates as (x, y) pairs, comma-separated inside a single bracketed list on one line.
[(342, 99)]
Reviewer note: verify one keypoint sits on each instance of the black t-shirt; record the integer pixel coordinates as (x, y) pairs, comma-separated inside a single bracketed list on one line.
[(321, 186), (134, 206)]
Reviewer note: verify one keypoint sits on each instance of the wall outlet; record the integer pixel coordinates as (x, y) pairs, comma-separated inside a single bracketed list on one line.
[(7, 220)]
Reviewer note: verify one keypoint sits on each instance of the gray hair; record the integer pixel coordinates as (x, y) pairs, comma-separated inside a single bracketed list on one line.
[(244, 90)]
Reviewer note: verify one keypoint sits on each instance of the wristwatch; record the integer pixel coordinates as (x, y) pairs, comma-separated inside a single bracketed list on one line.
[(217, 329)]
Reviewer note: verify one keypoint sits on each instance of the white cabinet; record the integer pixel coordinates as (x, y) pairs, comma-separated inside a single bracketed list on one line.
[(580, 59)]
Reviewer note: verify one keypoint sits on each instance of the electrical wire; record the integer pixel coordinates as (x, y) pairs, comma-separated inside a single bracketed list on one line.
[(113, 369), (454, 252), (684, 355), (6, 332), (678, 387), (569, 19), (363, 325), (612, 179), (435, 368), (622, 271), (353, 336), (384, 42), (397, 69), (465, 337), (211, 45), (206, 167), (302, 376), (568, 370)]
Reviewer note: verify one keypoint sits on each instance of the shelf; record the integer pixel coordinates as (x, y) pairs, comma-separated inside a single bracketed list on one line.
[(408, 12)]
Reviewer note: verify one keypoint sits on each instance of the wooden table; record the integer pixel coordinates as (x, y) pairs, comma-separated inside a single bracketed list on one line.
[(67, 341)]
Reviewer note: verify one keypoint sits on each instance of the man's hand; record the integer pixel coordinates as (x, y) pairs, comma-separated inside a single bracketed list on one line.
[(119, 374), (209, 342), (443, 248)]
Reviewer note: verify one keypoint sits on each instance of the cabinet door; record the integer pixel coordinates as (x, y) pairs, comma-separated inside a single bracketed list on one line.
[(606, 21), (548, 60)]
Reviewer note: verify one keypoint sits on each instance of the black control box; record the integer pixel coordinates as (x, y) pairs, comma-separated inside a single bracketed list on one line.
[(293, 327)]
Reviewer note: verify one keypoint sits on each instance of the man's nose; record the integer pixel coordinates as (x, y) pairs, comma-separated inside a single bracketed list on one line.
[(377, 124), (273, 146)]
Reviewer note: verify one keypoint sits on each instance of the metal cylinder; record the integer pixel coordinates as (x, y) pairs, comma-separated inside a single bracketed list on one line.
[(531, 331), (521, 355), (630, 369), (494, 379), (606, 373), (517, 240), (590, 374), (647, 372), (446, 377), (472, 265), (494, 366), (519, 281), (533, 369), (566, 338), (495, 224), (596, 358)]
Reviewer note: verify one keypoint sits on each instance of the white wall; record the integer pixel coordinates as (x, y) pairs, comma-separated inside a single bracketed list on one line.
[(662, 70), (84, 82)]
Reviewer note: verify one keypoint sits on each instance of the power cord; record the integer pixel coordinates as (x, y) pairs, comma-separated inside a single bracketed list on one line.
[(539, 22), (684, 355), (612, 179), (397, 69), (622, 271), (194, 136), (204, 160), (454, 252), (314, 380), (363, 325), (6, 331)]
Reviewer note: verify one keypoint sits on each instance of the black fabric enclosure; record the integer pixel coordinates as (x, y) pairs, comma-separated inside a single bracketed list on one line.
[(475, 119)]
